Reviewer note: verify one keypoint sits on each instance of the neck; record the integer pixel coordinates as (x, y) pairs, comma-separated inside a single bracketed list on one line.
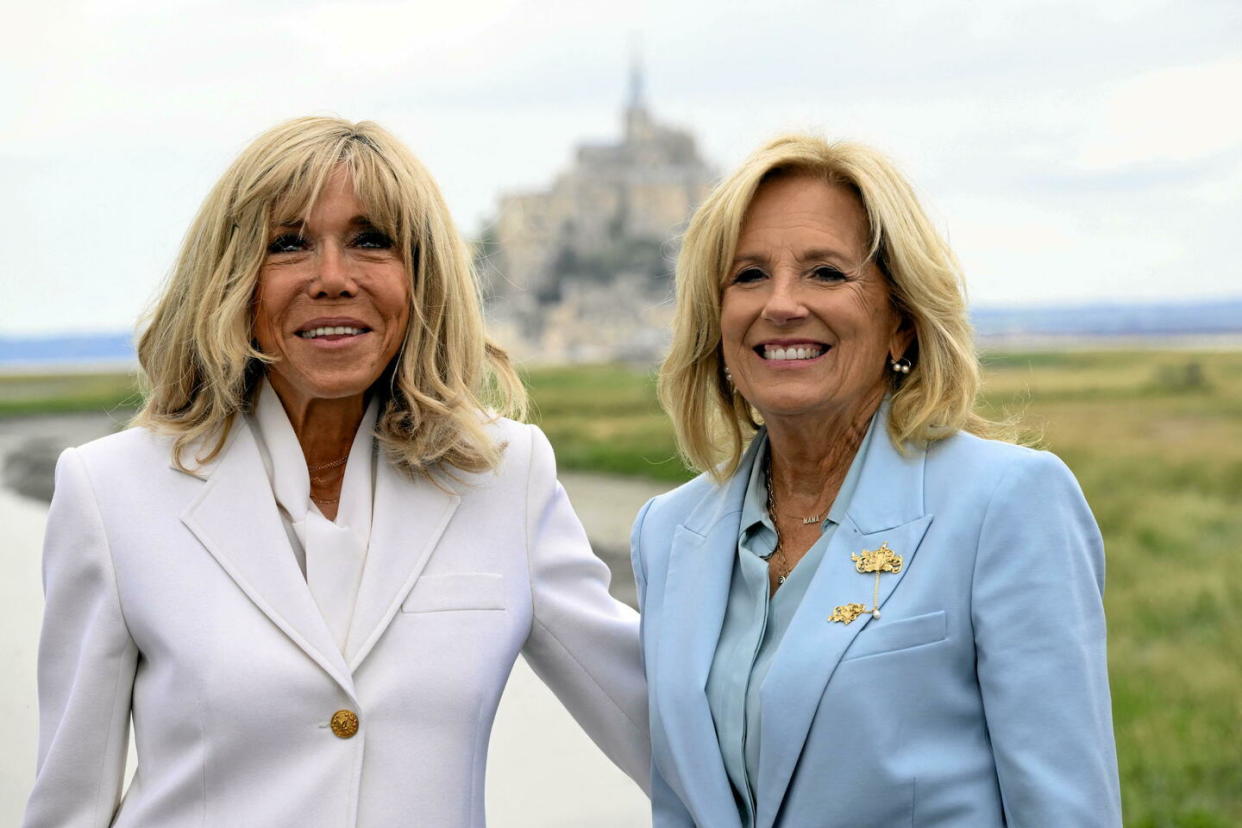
[(325, 428), (811, 457)]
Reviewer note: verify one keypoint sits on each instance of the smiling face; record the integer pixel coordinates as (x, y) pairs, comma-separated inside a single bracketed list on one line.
[(333, 300), (807, 329)]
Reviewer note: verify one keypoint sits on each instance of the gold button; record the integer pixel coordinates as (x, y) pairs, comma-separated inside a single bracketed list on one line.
[(344, 723)]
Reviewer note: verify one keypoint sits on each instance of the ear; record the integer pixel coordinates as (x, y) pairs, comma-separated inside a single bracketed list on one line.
[(902, 339)]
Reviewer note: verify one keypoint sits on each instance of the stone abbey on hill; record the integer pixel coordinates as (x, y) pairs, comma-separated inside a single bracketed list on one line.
[(582, 271)]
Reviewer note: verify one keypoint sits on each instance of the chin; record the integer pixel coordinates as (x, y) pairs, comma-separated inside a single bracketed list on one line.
[(791, 407), (334, 387), (342, 390)]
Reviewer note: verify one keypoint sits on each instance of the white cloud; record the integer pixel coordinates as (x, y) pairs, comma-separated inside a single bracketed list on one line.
[(1169, 115)]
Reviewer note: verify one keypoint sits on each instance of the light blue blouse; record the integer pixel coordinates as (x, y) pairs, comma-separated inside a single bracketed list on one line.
[(755, 623)]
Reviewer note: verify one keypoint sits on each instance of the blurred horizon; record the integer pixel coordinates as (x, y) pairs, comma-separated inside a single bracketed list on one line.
[(1154, 324)]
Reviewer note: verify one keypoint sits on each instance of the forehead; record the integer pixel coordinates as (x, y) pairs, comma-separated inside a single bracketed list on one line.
[(789, 209), (338, 198)]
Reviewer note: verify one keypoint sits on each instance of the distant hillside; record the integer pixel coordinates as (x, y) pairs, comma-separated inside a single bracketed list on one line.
[(83, 349), (1113, 319)]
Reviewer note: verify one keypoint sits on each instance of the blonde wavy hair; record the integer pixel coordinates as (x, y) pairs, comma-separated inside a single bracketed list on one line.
[(937, 397), (200, 363)]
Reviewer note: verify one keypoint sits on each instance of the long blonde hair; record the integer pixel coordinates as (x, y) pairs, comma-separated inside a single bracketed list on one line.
[(199, 361), (935, 400)]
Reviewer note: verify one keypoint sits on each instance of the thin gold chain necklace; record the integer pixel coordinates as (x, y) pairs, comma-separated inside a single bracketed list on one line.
[(778, 558), (330, 465)]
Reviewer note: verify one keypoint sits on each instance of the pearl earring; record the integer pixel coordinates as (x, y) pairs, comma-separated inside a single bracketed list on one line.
[(900, 366)]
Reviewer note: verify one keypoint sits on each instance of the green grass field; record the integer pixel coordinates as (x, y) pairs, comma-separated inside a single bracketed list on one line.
[(1157, 445), (1155, 439), (31, 394)]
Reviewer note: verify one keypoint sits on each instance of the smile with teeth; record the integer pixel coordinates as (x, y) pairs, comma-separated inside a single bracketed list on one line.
[(791, 352), (338, 330)]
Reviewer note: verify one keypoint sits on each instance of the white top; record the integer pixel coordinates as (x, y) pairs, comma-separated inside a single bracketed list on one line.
[(330, 553)]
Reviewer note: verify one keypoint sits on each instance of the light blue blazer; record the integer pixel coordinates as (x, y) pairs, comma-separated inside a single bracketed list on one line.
[(978, 698)]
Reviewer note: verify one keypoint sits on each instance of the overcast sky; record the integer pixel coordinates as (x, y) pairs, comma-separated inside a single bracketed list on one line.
[(1072, 151)]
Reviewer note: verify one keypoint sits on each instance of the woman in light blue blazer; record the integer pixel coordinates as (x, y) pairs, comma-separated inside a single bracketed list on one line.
[(864, 612)]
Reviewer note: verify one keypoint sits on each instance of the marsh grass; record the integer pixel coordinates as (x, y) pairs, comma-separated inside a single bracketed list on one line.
[(1160, 460), (34, 394), (605, 419), (1155, 439)]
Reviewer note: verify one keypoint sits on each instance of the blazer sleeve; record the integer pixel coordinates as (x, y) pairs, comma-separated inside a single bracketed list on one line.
[(667, 810), (1038, 615), (86, 666), (583, 643), (636, 557)]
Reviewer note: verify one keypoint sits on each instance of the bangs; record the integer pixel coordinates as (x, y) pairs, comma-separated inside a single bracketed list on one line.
[(379, 187), (302, 180)]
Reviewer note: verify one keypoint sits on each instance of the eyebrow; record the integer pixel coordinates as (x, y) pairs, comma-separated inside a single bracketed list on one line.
[(818, 253)]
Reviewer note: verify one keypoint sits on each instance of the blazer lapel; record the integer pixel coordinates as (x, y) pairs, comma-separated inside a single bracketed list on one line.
[(696, 591), (887, 507), (408, 518), (236, 519)]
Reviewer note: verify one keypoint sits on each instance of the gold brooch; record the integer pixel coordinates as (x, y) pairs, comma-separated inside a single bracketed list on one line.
[(847, 613), (869, 560), (878, 560)]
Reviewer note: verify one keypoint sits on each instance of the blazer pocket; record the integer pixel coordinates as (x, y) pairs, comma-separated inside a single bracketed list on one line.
[(456, 591), (883, 636)]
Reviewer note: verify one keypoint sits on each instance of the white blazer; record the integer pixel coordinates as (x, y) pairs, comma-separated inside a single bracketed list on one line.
[(176, 597)]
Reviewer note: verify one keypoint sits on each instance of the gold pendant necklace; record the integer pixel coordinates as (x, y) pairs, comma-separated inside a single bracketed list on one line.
[(783, 568)]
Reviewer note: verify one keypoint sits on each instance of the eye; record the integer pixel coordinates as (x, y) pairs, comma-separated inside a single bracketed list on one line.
[(373, 240), (287, 243), (750, 274), (826, 273)]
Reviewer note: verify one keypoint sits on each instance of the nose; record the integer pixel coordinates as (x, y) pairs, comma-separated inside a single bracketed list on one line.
[(334, 276), (784, 303)]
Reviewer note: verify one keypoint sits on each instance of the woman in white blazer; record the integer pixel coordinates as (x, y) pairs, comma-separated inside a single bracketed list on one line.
[(872, 615), (307, 571)]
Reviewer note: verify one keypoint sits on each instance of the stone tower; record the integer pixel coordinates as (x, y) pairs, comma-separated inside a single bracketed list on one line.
[(603, 234)]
